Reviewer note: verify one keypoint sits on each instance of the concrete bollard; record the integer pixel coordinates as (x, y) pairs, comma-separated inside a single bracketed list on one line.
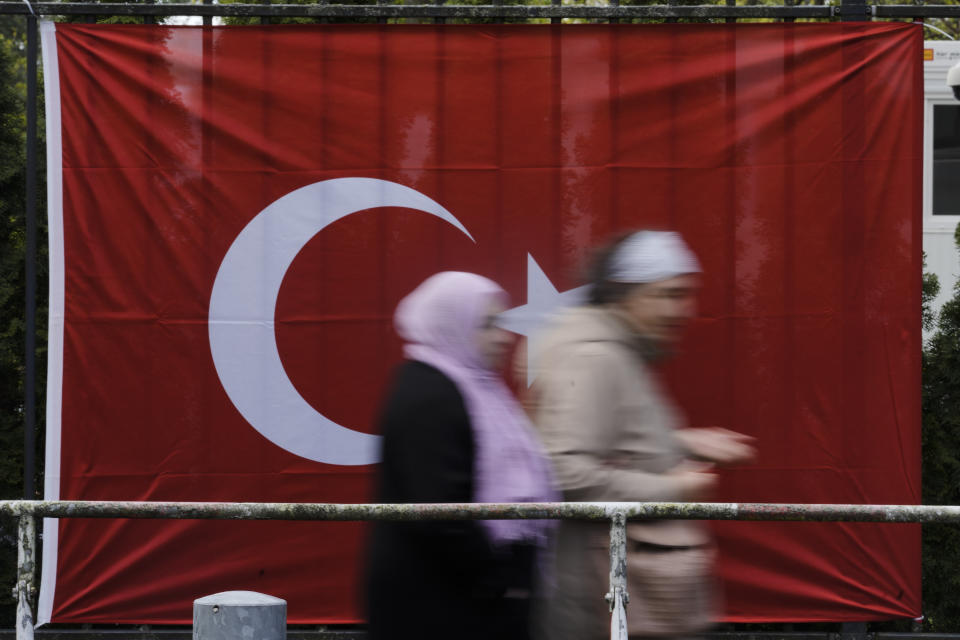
[(239, 615)]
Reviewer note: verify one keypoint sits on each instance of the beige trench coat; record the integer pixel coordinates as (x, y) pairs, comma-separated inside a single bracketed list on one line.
[(608, 427)]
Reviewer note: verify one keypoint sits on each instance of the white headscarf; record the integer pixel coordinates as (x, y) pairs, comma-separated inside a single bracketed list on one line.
[(652, 256)]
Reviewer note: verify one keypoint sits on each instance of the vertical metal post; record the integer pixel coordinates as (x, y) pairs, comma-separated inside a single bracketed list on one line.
[(790, 3), (853, 631), (618, 597), (264, 20), (671, 3), (26, 568), (30, 271), (208, 20)]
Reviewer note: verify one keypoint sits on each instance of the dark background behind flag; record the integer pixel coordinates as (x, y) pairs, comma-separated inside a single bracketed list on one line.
[(787, 155)]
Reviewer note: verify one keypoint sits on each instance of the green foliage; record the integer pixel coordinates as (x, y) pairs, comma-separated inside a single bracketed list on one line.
[(931, 287), (12, 198), (937, 28), (101, 19), (231, 20), (941, 461), (256, 21), (12, 289)]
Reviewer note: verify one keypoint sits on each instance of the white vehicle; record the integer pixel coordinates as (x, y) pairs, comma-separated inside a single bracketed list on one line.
[(941, 165)]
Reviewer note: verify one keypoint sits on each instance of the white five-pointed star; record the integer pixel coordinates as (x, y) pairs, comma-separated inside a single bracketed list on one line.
[(543, 301)]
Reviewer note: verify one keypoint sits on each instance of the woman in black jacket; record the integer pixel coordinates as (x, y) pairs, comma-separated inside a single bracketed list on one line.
[(452, 432)]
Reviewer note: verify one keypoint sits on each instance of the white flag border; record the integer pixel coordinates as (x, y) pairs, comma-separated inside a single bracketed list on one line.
[(51, 483)]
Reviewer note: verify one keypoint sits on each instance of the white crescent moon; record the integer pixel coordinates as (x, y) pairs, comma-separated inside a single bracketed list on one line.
[(243, 305)]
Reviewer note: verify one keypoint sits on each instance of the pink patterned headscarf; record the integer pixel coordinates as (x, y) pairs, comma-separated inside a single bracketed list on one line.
[(439, 321)]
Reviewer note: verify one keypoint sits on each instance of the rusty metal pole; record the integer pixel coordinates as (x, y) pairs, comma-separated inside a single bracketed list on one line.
[(594, 511), (26, 568), (618, 597), (30, 272)]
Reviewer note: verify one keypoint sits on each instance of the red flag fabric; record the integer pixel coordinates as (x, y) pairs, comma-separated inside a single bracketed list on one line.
[(234, 213)]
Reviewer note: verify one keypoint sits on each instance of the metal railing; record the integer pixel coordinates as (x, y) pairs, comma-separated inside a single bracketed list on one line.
[(616, 513)]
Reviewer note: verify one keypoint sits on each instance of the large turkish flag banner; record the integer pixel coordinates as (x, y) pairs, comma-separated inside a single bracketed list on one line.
[(235, 212)]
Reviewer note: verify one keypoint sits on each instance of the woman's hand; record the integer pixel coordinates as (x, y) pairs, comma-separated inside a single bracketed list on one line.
[(718, 445)]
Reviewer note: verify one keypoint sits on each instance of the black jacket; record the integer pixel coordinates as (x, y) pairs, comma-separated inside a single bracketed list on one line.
[(436, 579)]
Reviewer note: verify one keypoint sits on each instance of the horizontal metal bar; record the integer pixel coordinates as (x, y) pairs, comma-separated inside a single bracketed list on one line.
[(599, 511), (425, 10), (158, 633), (917, 11), (146, 632)]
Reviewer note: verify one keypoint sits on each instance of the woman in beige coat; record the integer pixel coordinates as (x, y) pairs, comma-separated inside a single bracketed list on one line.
[(612, 434)]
